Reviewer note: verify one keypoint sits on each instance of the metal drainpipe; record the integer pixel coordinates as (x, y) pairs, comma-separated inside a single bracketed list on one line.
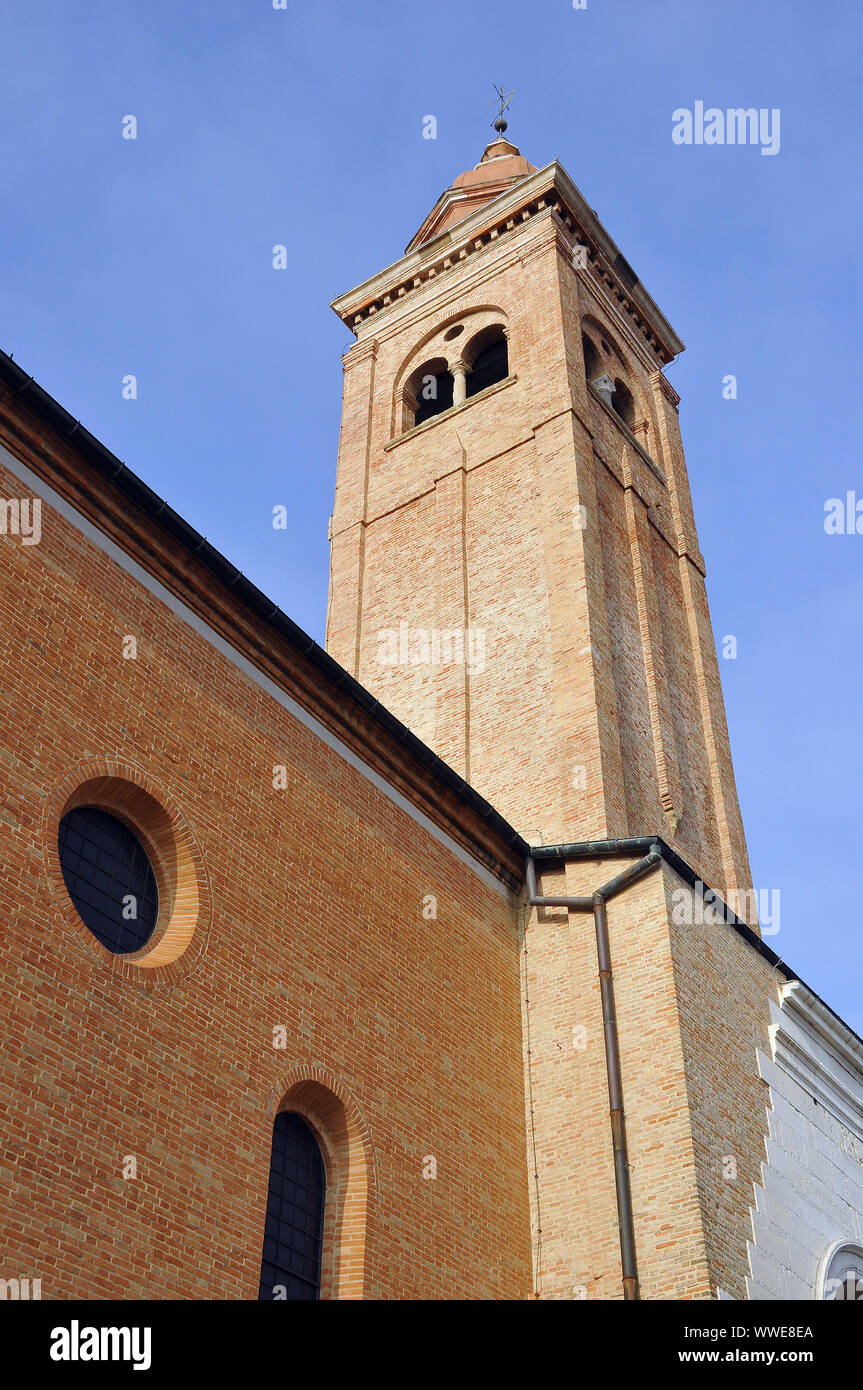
[(597, 905)]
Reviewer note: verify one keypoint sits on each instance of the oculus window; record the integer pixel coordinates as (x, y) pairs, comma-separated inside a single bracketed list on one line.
[(109, 879)]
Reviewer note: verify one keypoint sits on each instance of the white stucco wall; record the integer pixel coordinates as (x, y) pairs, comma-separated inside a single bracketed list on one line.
[(812, 1180)]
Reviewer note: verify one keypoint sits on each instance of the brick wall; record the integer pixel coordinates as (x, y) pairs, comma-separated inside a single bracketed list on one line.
[(402, 1033), (692, 1002)]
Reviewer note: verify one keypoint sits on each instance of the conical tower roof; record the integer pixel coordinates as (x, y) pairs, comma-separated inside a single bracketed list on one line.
[(501, 166)]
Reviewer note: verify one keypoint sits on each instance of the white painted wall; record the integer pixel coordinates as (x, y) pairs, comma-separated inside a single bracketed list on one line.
[(812, 1180)]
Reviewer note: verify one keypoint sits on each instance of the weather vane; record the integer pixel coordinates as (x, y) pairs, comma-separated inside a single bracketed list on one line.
[(502, 102)]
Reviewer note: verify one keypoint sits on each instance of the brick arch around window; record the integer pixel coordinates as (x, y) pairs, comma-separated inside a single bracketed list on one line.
[(334, 1117), (604, 356), (486, 358), (156, 818), (440, 342)]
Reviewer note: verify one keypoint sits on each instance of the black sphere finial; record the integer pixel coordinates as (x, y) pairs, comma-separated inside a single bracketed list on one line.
[(501, 102)]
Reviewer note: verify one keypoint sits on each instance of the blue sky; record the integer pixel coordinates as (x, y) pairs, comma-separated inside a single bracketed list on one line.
[(304, 127)]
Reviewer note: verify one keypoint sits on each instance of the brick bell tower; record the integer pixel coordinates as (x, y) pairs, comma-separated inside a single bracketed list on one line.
[(515, 573)]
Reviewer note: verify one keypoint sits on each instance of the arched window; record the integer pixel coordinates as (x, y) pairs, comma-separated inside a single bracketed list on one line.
[(623, 404), (488, 359), (109, 878), (428, 392), (603, 367), (592, 361), (293, 1234)]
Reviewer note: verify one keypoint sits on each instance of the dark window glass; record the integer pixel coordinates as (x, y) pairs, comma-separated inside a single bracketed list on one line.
[(109, 878), (490, 366), (293, 1233), (435, 396)]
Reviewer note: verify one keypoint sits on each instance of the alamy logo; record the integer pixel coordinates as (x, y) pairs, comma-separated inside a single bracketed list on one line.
[(704, 907), (20, 1288), (737, 125), (420, 646), (844, 515), (21, 516), (76, 1343)]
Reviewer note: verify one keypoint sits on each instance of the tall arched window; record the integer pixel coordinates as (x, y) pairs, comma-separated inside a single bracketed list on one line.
[(488, 358), (293, 1234)]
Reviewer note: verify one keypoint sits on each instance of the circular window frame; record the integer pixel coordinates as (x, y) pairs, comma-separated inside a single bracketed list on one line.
[(852, 1246), (155, 819)]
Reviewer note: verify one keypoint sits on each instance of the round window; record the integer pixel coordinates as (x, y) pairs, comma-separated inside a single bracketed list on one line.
[(109, 879)]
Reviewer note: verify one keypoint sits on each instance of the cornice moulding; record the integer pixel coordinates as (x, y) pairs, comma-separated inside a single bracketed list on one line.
[(799, 1000), (463, 240)]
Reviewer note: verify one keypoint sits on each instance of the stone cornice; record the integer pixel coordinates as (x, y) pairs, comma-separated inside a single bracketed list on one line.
[(800, 1001), (436, 290), (802, 1017), (550, 187)]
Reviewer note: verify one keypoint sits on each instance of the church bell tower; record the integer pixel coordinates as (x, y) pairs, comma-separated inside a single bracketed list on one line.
[(516, 575), (515, 570)]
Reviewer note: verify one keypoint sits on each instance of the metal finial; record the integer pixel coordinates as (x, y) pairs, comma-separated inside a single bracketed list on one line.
[(502, 102)]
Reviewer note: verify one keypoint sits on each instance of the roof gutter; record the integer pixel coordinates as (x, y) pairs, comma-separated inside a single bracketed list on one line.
[(649, 851), (642, 844)]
